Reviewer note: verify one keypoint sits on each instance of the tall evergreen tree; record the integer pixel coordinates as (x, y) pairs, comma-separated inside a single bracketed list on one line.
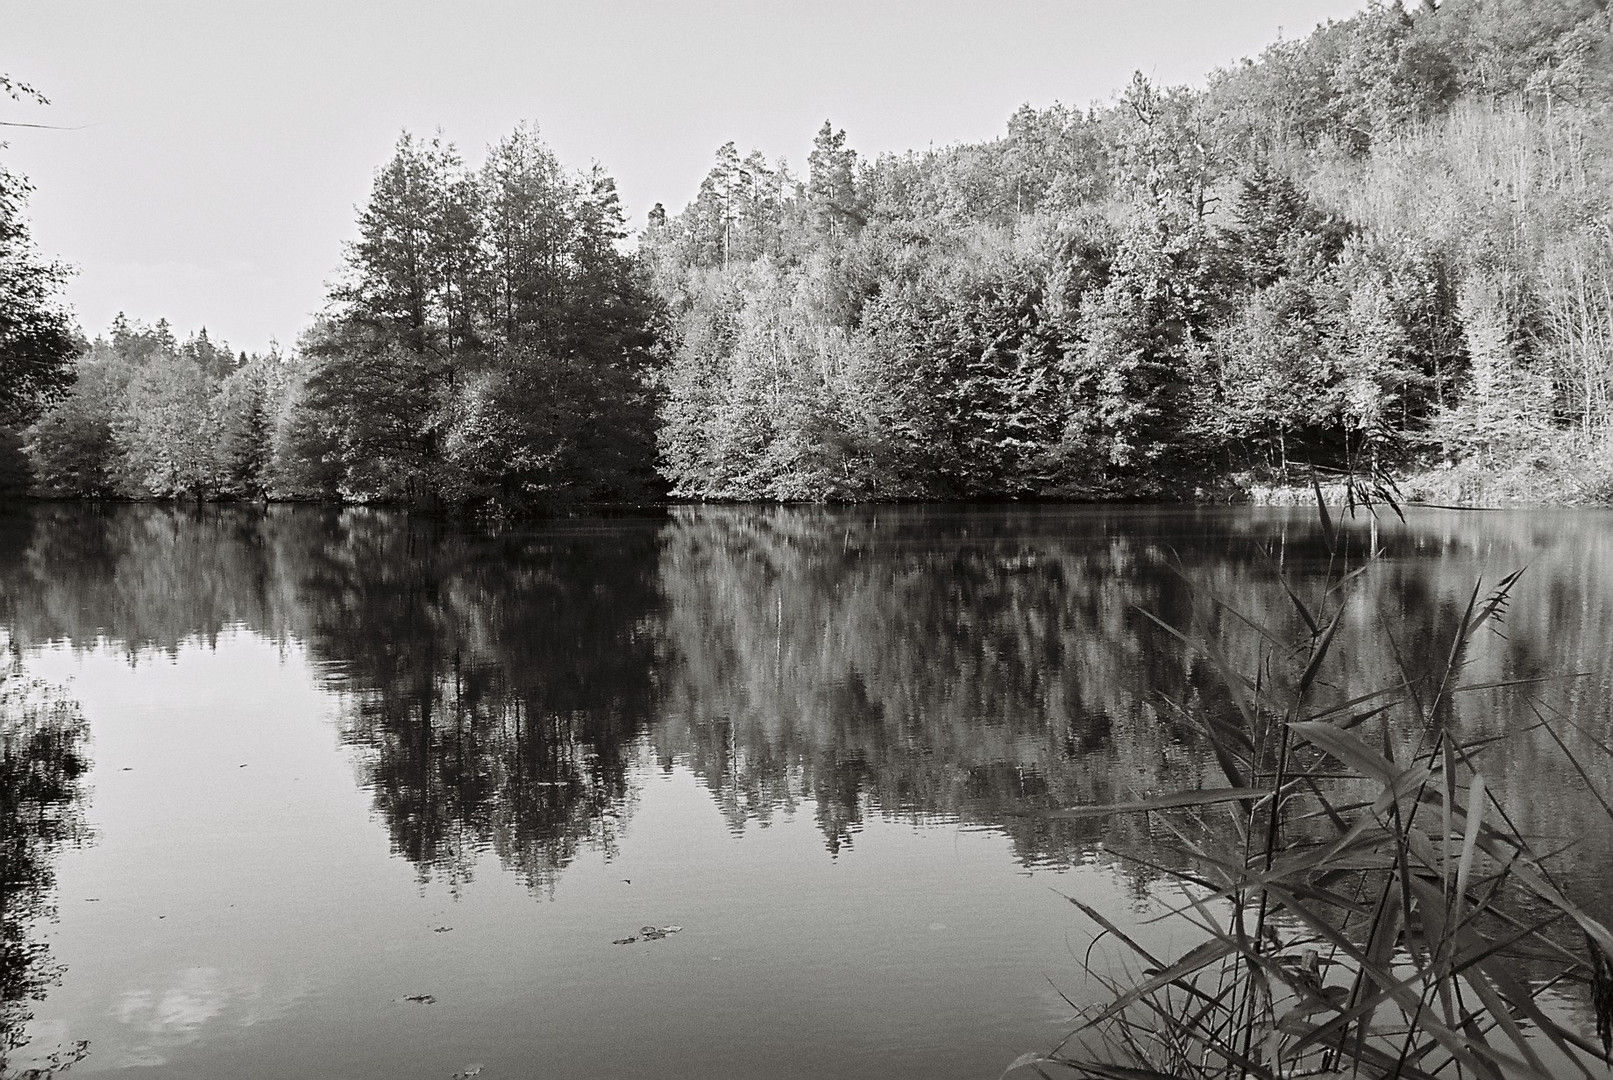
[(832, 183)]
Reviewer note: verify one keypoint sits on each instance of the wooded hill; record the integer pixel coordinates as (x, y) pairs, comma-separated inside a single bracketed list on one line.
[(1387, 243)]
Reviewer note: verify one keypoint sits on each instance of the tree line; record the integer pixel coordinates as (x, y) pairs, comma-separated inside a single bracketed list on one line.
[(1383, 244), (1388, 243), (488, 346)]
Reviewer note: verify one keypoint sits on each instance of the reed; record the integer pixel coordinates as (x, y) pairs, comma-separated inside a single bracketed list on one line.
[(1363, 904)]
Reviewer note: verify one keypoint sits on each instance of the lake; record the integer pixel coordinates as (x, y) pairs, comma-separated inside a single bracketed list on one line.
[(342, 793)]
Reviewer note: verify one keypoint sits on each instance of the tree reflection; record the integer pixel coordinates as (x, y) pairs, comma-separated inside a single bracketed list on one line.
[(979, 666), (928, 665), (497, 682), (42, 766), (151, 577), (501, 686), (494, 681)]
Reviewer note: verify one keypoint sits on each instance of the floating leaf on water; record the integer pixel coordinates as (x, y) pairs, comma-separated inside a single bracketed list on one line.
[(670, 929), (421, 999), (441, 929), (624, 941)]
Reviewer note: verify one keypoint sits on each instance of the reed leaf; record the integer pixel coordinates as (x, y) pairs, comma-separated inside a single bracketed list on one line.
[(1369, 931), (1176, 800)]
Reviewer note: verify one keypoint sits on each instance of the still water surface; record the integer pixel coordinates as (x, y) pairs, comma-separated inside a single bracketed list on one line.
[(342, 760)]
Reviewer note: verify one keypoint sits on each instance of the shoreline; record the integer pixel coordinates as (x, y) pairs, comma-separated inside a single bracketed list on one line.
[(1467, 492)]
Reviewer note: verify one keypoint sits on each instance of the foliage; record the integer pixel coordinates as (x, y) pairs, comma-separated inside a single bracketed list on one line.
[(1385, 238), (490, 348), (16, 476), (1388, 240), (149, 416), (489, 345), (37, 338), (71, 446)]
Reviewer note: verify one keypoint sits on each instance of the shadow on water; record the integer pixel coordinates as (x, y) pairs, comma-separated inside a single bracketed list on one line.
[(42, 768), (932, 664)]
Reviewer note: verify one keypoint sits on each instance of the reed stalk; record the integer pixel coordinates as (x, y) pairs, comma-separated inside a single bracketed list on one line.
[(1357, 913)]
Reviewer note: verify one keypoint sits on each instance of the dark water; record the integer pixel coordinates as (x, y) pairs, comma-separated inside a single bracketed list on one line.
[(286, 770)]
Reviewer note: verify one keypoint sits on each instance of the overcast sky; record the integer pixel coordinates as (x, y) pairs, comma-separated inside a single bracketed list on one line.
[(220, 146)]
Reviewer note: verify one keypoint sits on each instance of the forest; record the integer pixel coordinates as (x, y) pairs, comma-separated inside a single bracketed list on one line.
[(1385, 245)]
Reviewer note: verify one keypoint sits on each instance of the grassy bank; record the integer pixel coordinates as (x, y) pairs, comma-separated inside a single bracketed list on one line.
[(1566, 470), (1566, 475)]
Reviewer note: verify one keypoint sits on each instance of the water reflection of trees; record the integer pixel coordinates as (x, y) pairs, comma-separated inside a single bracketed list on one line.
[(957, 665), (144, 577), (497, 683), (493, 682), (42, 767), (977, 665), (905, 662)]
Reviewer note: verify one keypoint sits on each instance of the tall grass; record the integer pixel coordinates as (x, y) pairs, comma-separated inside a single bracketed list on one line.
[(1364, 905)]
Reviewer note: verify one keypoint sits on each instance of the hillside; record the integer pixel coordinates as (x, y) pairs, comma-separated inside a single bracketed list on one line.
[(1386, 245)]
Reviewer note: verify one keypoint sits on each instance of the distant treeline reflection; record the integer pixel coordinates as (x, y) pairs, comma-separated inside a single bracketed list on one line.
[(503, 690)]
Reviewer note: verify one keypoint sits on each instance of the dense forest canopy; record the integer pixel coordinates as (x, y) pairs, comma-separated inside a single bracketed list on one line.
[(1385, 242), (487, 346), (1388, 243)]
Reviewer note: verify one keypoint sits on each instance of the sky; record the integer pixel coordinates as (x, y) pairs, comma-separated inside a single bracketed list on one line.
[(214, 151)]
